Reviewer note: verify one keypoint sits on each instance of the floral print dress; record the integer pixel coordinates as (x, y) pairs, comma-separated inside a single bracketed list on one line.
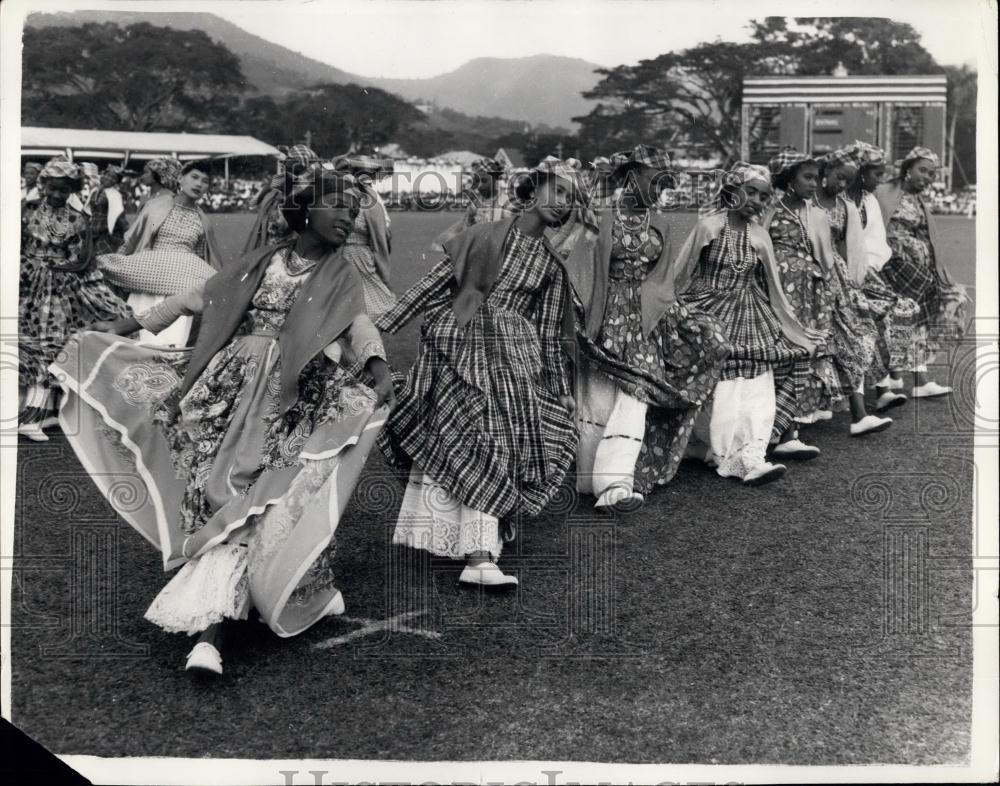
[(812, 298), (673, 370)]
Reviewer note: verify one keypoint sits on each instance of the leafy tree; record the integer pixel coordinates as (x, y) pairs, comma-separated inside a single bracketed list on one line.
[(812, 46), (963, 85), (135, 78)]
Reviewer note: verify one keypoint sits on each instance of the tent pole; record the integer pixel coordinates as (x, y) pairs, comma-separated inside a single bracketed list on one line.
[(226, 164)]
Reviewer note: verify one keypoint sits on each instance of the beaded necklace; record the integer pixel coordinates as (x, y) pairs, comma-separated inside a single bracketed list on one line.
[(798, 221), (741, 255)]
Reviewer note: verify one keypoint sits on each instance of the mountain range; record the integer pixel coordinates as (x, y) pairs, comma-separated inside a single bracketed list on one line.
[(539, 90)]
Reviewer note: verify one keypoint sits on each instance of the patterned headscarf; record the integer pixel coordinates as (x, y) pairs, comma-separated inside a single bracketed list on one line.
[(842, 156), (300, 157), (786, 158), (168, 170), (867, 155), (487, 166), (61, 168), (359, 163), (740, 174), (920, 152), (32, 167), (647, 155)]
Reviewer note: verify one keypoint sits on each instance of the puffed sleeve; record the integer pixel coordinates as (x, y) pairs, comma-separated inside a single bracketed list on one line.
[(164, 314)]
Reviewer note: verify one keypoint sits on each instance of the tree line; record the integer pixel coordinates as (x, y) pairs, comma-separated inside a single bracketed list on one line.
[(141, 77)]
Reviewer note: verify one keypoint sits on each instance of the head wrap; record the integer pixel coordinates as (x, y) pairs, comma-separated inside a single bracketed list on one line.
[(867, 155), (90, 170), (61, 168), (487, 166), (920, 152), (111, 170), (359, 163), (740, 174), (645, 155), (299, 158), (786, 158), (842, 156), (601, 163), (168, 170), (32, 167)]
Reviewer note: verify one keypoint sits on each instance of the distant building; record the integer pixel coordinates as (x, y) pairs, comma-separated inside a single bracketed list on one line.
[(463, 157), (820, 113)]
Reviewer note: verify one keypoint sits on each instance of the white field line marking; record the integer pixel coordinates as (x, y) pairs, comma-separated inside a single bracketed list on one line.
[(374, 626)]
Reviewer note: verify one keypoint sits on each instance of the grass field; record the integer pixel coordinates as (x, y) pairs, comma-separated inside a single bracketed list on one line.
[(820, 620)]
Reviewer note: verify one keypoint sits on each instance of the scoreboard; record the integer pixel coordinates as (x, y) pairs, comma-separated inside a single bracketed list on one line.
[(819, 114)]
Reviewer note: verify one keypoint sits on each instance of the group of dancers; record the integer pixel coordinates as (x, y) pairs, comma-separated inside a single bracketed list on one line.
[(562, 326)]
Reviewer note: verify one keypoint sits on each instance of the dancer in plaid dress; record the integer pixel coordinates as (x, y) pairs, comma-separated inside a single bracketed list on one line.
[(855, 332), (915, 269), (369, 245), (60, 291), (484, 423), (649, 362), (727, 269), (895, 315), (168, 250)]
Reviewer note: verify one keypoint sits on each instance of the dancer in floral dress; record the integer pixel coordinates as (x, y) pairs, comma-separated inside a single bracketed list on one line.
[(249, 445), (169, 249), (855, 331), (484, 425), (649, 362), (915, 269), (60, 291), (895, 315), (727, 268), (800, 235)]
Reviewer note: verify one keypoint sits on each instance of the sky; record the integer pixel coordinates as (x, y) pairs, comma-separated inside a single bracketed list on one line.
[(407, 38)]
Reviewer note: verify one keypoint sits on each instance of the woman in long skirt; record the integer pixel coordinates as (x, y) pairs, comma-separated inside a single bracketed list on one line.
[(854, 327), (169, 249), (484, 423), (727, 268), (800, 234), (648, 361), (248, 446), (369, 245), (915, 269), (895, 315), (60, 291)]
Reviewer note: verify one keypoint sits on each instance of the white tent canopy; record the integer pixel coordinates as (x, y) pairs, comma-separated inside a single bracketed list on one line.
[(126, 145)]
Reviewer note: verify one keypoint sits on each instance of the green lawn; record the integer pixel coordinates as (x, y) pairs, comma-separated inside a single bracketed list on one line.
[(719, 624)]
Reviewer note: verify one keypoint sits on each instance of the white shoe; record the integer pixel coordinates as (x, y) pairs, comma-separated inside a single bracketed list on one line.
[(764, 473), (204, 658), (486, 574), (33, 431), (890, 400), (796, 450), (891, 384), (930, 390), (869, 424), (50, 422), (620, 499), (336, 605)]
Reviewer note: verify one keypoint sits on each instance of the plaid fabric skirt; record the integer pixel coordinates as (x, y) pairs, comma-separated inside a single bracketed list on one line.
[(54, 305), (475, 416), (378, 297)]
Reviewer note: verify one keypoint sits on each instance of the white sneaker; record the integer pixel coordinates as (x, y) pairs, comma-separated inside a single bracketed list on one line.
[(764, 473), (892, 384), (204, 658), (620, 499), (870, 424), (930, 390), (795, 449), (486, 574), (890, 400), (33, 431)]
